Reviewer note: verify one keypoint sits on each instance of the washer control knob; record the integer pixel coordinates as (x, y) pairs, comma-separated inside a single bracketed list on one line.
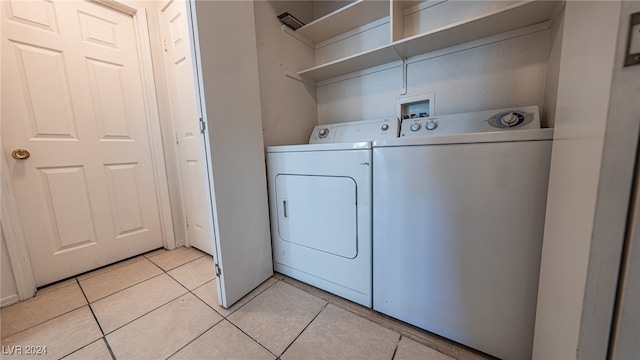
[(323, 132), (509, 119), (431, 125), (415, 127), (385, 127)]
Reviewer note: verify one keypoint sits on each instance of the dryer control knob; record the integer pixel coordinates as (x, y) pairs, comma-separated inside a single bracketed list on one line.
[(323, 132), (431, 125), (385, 127), (415, 127)]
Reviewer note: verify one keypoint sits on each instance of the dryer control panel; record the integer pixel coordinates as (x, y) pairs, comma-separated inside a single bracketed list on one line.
[(527, 117), (354, 131)]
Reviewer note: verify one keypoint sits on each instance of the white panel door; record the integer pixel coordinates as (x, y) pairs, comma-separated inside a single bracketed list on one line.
[(72, 95), (184, 107)]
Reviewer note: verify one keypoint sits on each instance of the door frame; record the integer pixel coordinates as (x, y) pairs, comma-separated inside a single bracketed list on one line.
[(11, 223)]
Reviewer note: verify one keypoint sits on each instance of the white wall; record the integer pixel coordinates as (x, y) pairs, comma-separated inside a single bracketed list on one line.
[(548, 112), (505, 71), (596, 127), (618, 161), (288, 106), (502, 74), (324, 7)]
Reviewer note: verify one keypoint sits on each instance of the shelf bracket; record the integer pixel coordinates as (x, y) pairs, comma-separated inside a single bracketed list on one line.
[(294, 76), (403, 89)]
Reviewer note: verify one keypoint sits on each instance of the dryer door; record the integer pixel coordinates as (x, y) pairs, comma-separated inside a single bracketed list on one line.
[(318, 212)]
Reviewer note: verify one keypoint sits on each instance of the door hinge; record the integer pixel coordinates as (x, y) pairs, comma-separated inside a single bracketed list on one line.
[(177, 141), (218, 270), (202, 126), (186, 220)]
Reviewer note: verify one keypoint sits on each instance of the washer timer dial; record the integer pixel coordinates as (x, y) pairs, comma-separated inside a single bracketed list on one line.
[(510, 119)]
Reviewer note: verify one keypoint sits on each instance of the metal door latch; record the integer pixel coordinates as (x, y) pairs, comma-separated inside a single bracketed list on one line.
[(202, 126)]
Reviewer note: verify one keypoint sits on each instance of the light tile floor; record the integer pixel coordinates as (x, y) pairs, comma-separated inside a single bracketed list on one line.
[(163, 305)]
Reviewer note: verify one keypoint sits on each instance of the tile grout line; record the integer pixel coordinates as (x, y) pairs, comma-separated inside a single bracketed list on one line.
[(120, 267), (239, 307), (148, 312), (337, 301), (305, 328), (90, 308), (251, 337), (104, 337), (181, 284), (393, 356), (107, 266), (113, 356), (123, 289), (89, 303), (242, 331), (188, 292), (194, 339), (164, 272), (45, 321), (188, 262), (253, 297)]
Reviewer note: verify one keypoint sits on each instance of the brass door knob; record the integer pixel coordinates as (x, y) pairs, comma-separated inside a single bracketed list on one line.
[(20, 154)]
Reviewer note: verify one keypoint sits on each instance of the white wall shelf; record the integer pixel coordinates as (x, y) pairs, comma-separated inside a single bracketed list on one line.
[(513, 17), (361, 61), (350, 17), (500, 21)]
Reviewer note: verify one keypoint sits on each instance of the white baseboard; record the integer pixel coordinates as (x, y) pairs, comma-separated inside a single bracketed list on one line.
[(9, 300)]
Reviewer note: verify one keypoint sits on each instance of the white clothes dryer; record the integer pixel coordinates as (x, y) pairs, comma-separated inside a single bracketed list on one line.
[(458, 219), (320, 205)]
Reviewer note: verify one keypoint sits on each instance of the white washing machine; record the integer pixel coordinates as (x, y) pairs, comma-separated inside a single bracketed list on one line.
[(458, 217), (320, 204)]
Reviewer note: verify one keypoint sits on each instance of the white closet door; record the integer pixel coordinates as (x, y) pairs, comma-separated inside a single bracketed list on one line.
[(228, 69)]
